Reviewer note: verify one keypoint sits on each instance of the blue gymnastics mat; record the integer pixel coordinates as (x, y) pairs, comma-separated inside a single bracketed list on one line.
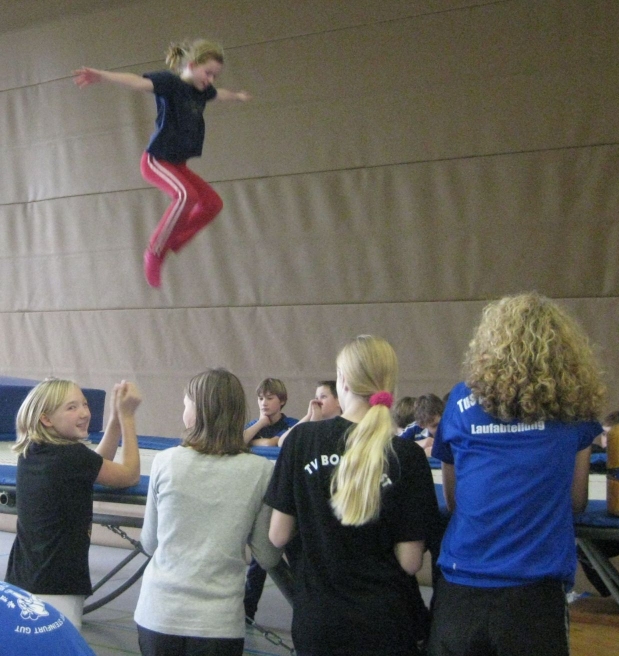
[(14, 390)]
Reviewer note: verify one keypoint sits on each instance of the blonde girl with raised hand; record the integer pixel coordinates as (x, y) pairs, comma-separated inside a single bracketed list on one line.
[(55, 475), (181, 95), (204, 506), (363, 504)]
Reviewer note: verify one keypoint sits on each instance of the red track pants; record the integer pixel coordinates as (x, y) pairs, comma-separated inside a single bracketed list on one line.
[(194, 203)]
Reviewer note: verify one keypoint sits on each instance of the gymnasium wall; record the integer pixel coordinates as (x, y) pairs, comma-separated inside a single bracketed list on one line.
[(401, 163)]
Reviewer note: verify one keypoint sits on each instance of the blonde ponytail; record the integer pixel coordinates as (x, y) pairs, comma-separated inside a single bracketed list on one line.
[(369, 366), (198, 52), (175, 57), (356, 483)]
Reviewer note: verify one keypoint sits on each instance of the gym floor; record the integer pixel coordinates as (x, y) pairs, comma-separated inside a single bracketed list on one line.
[(110, 630)]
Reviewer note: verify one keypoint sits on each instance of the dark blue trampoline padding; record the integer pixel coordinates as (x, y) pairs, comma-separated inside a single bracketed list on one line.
[(14, 390), (160, 443), (8, 475), (145, 441), (596, 514), (269, 452), (139, 490)]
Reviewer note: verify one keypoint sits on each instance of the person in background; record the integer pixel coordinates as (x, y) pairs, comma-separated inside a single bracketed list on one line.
[(428, 411), (264, 431), (404, 417), (610, 548), (324, 405), (272, 422), (515, 441)]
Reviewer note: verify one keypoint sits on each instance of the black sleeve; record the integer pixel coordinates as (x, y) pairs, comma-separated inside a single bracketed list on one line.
[(83, 463), (280, 493), (414, 509), (164, 82)]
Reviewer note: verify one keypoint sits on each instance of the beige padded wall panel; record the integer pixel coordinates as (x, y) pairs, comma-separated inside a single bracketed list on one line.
[(537, 87), (401, 162), (464, 229), (162, 349)]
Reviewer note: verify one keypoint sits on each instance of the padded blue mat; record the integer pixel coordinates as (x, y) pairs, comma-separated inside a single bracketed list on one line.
[(14, 390)]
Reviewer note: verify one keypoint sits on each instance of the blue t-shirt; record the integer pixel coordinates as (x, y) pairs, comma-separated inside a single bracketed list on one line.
[(413, 431), (31, 627), (180, 129), (513, 521), (274, 430)]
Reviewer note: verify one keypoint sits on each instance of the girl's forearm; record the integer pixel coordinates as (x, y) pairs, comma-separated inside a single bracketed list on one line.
[(86, 76), (130, 453), (109, 442), (128, 80)]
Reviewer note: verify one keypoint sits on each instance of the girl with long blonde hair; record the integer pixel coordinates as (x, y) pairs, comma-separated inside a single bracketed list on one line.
[(363, 503)]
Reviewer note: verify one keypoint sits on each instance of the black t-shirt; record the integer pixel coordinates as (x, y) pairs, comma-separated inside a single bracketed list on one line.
[(351, 595), (180, 129), (54, 518)]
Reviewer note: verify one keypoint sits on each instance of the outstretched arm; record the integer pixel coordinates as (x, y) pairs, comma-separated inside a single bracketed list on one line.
[(84, 77), (108, 445), (225, 95)]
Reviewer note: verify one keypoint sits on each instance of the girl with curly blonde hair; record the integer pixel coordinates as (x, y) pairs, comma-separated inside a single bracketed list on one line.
[(515, 441)]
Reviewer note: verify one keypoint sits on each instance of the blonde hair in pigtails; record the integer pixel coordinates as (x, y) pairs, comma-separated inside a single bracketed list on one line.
[(370, 368), (198, 52)]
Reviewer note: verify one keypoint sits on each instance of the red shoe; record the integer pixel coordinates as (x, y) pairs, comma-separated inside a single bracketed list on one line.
[(152, 268)]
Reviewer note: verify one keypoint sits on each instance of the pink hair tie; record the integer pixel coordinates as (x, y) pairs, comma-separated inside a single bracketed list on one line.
[(382, 398)]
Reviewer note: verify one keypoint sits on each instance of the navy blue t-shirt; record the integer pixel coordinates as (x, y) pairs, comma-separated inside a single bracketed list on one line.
[(180, 129), (274, 430)]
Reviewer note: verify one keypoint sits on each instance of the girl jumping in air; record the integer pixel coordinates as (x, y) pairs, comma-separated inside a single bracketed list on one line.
[(55, 475), (181, 96)]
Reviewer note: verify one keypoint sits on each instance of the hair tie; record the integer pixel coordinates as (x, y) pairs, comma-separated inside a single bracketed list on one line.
[(382, 398)]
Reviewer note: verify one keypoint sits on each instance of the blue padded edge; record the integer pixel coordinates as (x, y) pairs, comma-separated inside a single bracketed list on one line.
[(140, 490), (597, 514), (145, 441), (270, 452), (160, 443)]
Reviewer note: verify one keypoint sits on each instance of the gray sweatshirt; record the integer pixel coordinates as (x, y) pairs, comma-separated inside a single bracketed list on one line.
[(200, 513)]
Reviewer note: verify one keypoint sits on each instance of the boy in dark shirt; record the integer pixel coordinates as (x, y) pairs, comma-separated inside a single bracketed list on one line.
[(272, 422)]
